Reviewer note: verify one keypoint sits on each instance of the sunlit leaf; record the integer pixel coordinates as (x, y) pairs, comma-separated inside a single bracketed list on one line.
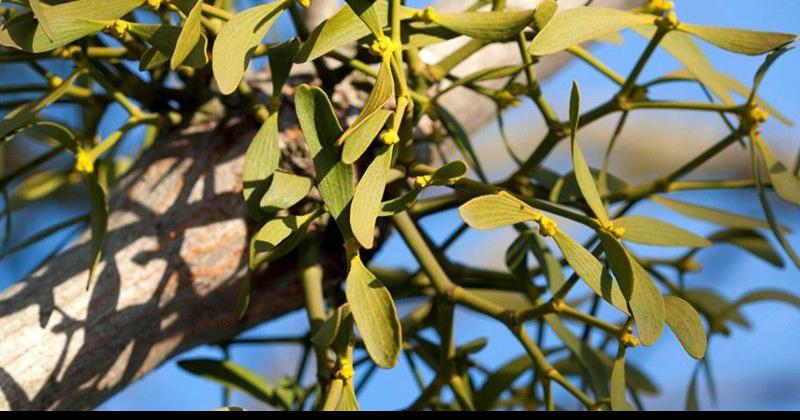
[(190, 35), (494, 211), (261, 159), (164, 39), (582, 173), (367, 11), (646, 230), (647, 305), (374, 313), (236, 41), (278, 236), (685, 322), (590, 271), (684, 49), (285, 190), (488, 26), (368, 196), (360, 137), (785, 183), (573, 26), (68, 21), (741, 41)]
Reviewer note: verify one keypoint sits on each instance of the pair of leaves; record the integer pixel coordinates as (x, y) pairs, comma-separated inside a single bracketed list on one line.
[(321, 129), (372, 117), (582, 24), (238, 39), (63, 23)]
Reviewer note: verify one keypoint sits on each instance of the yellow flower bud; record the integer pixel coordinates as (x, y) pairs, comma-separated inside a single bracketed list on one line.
[(506, 98), (304, 3), (390, 137), (427, 15), (55, 81), (629, 340), (547, 226), (345, 371), (84, 163), (384, 47), (154, 4), (119, 27), (422, 181)]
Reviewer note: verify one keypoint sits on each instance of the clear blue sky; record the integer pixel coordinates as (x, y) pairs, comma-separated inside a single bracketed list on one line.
[(755, 369)]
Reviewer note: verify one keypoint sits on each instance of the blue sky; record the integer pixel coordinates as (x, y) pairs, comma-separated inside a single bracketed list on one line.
[(754, 369)]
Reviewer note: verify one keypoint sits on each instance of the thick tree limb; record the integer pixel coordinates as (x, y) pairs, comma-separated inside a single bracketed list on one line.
[(170, 279)]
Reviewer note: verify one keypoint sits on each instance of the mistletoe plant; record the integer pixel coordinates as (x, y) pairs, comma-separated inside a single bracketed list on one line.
[(369, 177)]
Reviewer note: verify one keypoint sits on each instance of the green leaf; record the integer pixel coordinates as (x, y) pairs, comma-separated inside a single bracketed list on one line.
[(581, 24), (709, 214), (647, 305), (750, 241), (367, 11), (367, 198), (684, 49), (591, 271), (261, 159), (280, 63), (231, 375), (487, 26), (544, 12), (448, 174), (617, 259), (461, 139), (329, 330), (399, 204), (320, 128), (618, 400), (278, 236), (375, 314), (494, 211), (36, 187), (69, 22), (786, 185), (685, 322), (582, 173), (190, 35), (238, 39), (741, 41), (41, 17), (284, 191), (343, 28), (382, 92), (348, 400), (708, 301), (26, 114), (164, 39), (649, 231), (360, 137), (98, 222)]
